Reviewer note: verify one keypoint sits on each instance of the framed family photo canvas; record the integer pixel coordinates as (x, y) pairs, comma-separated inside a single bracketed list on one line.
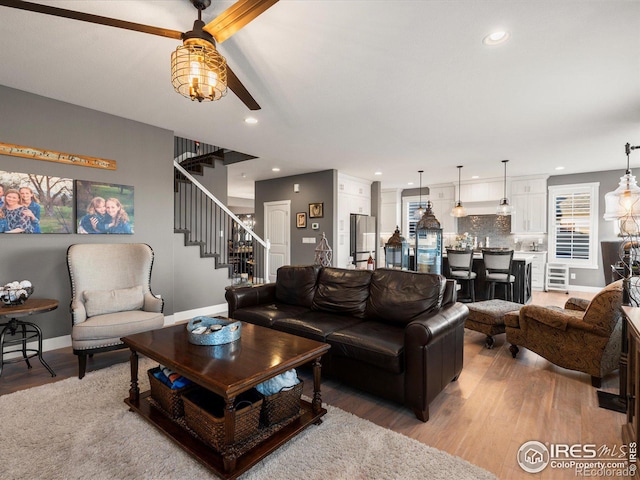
[(316, 210), (33, 203), (104, 208), (301, 220)]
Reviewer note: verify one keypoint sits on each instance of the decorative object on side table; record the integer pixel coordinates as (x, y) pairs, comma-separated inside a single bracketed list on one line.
[(16, 293), (213, 331)]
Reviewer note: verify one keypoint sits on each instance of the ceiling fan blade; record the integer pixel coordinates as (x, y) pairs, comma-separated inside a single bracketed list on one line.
[(236, 86), (235, 17), (88, 17)]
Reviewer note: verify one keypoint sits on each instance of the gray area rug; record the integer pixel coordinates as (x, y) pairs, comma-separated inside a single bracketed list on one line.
[(81, 429)]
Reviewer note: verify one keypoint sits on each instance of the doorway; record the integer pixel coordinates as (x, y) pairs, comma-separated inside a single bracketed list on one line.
[(277, 230)]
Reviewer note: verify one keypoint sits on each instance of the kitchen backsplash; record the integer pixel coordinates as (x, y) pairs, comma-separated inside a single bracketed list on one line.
[(497, 229)]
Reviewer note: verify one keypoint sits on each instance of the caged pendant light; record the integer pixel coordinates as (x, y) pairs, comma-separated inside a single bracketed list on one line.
[(458, 210), (420, 211), (504, 208)]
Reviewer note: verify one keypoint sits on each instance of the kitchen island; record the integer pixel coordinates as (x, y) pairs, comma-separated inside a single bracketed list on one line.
[(520, 268)]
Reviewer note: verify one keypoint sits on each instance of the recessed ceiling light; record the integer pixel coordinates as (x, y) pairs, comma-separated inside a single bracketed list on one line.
[(559, 168), (496, 38), (410, 183), (275, 169), (475, 176), (378, 173), (251, 120)]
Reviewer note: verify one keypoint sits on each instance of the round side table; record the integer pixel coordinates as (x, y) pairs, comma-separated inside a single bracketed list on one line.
[(18, 332)]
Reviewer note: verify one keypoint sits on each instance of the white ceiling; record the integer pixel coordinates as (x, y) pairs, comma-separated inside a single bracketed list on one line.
[(363, 86)]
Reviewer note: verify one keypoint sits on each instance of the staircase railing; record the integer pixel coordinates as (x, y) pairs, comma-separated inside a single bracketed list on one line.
[(209, 224)]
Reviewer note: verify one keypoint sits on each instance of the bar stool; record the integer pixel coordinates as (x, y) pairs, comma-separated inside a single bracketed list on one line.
[(497, 264), (461, 269)]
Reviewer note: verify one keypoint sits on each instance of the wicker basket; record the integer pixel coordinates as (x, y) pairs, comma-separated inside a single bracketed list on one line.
[(170, 400), (281, 405), (204, 414)]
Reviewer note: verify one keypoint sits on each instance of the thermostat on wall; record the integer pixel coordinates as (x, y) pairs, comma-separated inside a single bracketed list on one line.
[(315, 226)]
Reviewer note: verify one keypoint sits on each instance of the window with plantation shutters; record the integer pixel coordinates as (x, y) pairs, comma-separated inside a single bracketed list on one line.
[(411, 211), (573, 225)]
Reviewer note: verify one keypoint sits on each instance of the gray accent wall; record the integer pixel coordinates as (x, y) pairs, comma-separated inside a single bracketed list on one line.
[(144, 156), (314, 187)]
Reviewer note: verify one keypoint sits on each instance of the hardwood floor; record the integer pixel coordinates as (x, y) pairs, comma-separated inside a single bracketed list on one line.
[(496, 405)]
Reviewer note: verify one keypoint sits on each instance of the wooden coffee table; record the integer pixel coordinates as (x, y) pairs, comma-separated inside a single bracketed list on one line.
[(227, 370)]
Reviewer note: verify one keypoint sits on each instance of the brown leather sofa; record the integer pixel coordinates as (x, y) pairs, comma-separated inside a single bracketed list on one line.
[(395, 334)]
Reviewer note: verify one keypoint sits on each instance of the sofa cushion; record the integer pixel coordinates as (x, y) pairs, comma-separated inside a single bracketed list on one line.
[(296, 285), (342, 291), (266, 315), (398, 296), (102, 302), (376, 343), (315, 325)]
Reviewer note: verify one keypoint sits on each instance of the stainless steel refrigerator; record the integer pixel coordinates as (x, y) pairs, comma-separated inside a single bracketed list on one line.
[(362, 239)]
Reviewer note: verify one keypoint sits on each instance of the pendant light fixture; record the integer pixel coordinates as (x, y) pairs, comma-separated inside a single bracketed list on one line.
[(198, 71), (504, 208), (458, 210), (420, 211), (623, 203)]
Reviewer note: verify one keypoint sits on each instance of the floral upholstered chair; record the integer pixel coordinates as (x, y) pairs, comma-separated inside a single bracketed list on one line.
[(584, 336)]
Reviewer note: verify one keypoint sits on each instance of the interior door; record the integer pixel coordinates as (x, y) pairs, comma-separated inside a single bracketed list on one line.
[(277, 230)]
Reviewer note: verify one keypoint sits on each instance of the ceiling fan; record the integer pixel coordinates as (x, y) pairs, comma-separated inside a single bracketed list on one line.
[(198, 70)]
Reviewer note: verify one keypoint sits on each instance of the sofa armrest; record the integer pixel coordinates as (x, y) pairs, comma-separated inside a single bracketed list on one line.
[(530, 315), (152, 303), (575, 303), (242, 297), (434, 352)]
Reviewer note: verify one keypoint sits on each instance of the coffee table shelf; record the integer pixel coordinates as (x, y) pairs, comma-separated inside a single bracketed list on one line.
[(210, 457)]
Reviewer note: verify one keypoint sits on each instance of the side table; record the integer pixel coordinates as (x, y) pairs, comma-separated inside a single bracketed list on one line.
[(27, 331)]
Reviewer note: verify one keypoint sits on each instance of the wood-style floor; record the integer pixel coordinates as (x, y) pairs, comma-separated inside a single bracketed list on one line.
[(497, 404)]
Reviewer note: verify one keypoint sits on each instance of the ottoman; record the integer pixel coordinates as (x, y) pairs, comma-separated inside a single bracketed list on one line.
[(488, 317)]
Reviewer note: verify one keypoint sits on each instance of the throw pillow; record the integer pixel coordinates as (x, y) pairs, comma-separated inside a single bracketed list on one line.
[(101, 302)]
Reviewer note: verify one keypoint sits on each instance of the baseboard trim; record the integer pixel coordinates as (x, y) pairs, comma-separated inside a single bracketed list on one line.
[(65, 341)]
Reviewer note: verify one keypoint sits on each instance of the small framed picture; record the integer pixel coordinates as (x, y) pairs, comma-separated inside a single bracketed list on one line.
[(301, 220), (315, 226), (316, 210)]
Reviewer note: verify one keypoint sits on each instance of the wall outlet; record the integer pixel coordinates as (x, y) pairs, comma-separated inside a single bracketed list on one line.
[(573, 276)]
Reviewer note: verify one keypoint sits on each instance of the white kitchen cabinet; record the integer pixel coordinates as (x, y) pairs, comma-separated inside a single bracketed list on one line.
[(529, 213), (529, 185), (481, 191), (443, 200), (538, 269)]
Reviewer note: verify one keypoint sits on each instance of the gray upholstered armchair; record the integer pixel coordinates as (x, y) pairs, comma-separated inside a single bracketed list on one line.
[(584, 336), (110, 296)]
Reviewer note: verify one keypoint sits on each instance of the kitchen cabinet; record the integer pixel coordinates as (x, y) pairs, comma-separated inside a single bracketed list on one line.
[(443, 201), (354, 196), (529, 204), (481, 191), (529, 213), (538, 268)]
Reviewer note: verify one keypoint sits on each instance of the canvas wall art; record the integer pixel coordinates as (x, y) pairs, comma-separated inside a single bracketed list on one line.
[(32, 203), (104, 208)]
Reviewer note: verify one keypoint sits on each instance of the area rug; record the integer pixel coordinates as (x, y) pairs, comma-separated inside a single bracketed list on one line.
[(81, 429)]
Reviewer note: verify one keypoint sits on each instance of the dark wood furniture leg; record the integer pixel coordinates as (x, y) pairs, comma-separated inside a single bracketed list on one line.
[(134, 391), (514, 350), (229, 456), (316, 403)]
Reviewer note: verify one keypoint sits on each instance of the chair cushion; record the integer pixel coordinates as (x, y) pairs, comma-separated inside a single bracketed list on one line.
[(315, 325), (101, 302), (266, 315), (376, 343), (399, 296), (95, 331), (499, 277), (342, 291), (463, 275), (491, 312), (296, 285)]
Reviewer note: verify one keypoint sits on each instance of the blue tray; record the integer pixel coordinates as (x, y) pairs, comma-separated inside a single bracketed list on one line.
[(230, 331)]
